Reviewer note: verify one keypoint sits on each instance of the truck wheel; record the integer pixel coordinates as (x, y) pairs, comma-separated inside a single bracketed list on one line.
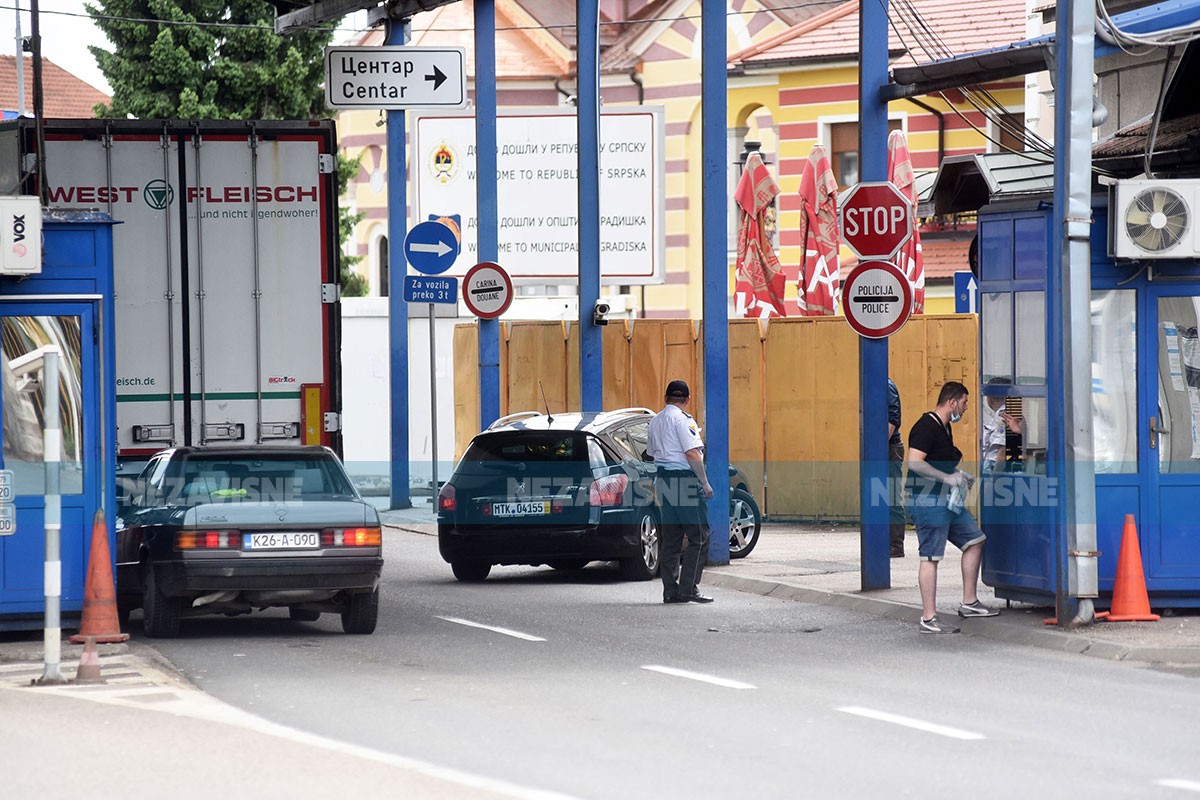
[(362, 613), (470, 571), (162, 614)]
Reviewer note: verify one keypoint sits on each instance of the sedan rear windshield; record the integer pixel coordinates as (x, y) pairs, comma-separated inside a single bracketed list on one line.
[(529, 446), (208, 479)]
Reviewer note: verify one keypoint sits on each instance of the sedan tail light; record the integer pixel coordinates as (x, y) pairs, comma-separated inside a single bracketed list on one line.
[(208, 540), (608, 491), (446, 498), (351, 537)]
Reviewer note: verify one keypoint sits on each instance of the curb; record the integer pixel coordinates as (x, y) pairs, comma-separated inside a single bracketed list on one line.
[(997, 629)]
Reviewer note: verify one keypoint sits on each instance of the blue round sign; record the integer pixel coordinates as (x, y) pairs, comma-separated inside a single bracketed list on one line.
[(431, 247)]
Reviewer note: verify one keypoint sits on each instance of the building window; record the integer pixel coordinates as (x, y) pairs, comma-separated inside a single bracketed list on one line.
[(384, 267), (1011, 129), (843, 150)]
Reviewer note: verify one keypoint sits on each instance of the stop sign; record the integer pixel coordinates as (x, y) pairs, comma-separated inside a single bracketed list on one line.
[(876, 220)]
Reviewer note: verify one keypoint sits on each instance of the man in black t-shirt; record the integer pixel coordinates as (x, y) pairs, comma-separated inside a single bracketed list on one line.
[(932, 476)]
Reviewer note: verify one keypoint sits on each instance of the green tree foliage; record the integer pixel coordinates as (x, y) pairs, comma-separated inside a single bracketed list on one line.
[(208, 59), (216, 59)]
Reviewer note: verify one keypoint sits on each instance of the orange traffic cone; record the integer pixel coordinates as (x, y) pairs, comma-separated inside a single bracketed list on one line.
[(1130, 602), (89, 664), (99, 593)]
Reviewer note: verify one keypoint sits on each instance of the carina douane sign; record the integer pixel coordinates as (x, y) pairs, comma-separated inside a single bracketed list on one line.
[(538, 191)]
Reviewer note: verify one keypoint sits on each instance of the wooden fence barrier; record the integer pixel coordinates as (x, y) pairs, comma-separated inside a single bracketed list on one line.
[(793, 391)]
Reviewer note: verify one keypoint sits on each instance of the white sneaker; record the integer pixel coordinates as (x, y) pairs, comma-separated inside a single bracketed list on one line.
[(934, 625), (976, 609)]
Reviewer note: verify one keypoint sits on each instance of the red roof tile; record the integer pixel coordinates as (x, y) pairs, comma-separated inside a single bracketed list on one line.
[(941, 257), (954, 31), (63, 95)]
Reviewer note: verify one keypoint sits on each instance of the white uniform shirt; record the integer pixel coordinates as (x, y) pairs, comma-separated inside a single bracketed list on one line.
[(992, 438), (672, 433)]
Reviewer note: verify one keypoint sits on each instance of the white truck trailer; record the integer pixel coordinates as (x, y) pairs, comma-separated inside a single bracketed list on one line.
[(226, 272)]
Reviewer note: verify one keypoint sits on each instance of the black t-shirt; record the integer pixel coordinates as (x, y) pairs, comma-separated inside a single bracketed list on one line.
[(933, 438)]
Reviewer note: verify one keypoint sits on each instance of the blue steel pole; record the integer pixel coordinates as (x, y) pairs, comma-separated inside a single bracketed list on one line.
[(487, 210), (397, 161), (875, 566), (587, 121), (715, 202)]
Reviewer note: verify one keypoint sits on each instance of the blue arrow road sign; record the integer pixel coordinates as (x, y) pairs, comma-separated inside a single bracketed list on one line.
[(431, 247), (966, 293), (420, 289)]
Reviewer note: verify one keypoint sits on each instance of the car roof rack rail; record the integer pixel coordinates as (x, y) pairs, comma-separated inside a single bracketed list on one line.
[(507, 418)]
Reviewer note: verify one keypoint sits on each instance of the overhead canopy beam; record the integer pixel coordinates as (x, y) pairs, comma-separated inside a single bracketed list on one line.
[(1031, 55), (328, 10)]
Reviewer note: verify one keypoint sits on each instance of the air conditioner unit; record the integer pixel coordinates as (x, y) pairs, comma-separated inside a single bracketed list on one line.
[(1154, 219)]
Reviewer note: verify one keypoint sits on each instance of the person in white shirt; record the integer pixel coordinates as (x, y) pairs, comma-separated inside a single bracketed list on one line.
[(996, 423), (682, 489)]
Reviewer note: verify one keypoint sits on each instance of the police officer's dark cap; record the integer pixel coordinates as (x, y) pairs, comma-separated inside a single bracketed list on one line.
[(678, 390)]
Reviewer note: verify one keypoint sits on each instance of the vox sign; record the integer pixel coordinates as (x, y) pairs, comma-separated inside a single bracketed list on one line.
[(876, 220)]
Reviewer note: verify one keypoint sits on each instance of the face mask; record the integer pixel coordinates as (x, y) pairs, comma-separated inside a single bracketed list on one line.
[(955, 416)]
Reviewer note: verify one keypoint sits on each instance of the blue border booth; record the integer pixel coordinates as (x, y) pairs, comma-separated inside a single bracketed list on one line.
[(66, 307), (1144, 321)]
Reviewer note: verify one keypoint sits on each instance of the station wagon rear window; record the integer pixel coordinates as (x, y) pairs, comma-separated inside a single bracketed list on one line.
[(528, 446)]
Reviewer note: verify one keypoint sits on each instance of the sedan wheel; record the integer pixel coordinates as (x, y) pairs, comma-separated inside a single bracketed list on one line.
[(645, 566), (362, 613), (162, 614), (745, 523)]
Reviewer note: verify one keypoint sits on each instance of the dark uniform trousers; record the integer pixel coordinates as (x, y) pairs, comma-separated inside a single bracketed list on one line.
[(896, 496), (684, 517)]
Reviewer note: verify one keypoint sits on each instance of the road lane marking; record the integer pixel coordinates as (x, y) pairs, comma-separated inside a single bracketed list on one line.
[(700, 676), (909, 722), (506, 631), (1179, 783)]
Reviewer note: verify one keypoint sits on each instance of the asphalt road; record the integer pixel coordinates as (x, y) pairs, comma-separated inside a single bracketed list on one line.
[(579, 684)]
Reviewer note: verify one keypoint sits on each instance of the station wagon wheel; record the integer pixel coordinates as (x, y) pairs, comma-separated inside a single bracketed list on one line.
[(643, 567), (162, 614), (745, 523), (362, 613), (470, 571)]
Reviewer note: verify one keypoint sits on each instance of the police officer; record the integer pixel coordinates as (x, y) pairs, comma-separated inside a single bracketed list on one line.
[(682, 486)]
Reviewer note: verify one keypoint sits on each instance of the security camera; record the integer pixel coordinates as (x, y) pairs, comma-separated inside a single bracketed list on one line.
[(600, 313)]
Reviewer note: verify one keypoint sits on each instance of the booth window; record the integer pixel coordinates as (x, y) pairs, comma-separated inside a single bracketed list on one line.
[(1178, 385), (1114, 380), (21, 337), (1030, 336), (997, 339)]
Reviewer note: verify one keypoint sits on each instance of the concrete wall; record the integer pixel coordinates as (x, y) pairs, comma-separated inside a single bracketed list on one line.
[(366, 394)]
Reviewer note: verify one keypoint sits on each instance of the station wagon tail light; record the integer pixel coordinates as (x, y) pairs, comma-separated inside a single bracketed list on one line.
[(351, 537), (447, 501), (608, 491), (209, 540)]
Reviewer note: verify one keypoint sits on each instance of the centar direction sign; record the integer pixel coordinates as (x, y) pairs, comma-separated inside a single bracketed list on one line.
[(395, 78)]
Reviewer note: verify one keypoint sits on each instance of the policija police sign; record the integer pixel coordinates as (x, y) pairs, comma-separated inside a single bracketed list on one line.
[(876, 221), (877, 299)]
